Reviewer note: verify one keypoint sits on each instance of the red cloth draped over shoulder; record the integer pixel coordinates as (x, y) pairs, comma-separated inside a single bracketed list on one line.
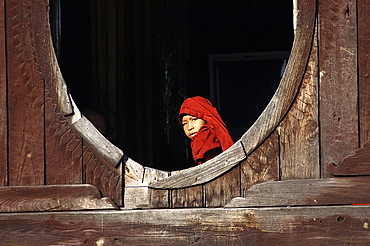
[(212, 135)]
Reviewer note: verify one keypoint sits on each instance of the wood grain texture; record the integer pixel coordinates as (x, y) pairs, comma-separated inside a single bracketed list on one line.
[(102, 175), (363, 30), (299, 131), (136, 192), (63, 147), (356, 164), (96, 141), (3, 99), (46, 58), (309, 192), (136, 180), (338, 81), (322, 225), (220, 191), (203, 173), (157, 198), (262, 164), (191, 197), (269, 119), (52, 198), (25, 100)]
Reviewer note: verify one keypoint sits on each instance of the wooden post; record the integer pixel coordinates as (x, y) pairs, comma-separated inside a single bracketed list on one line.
[(363, 31), (3, 98), (338, 81), (26, 99)]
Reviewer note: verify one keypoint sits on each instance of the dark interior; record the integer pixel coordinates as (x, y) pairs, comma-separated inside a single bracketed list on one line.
[(134, 62)]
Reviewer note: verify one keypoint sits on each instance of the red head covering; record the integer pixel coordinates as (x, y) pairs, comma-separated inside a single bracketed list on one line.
[(202, 108)]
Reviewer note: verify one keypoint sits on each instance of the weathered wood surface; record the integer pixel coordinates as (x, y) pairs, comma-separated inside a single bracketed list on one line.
[(191, 197), (308, 192), (3, 98), (269, 119), (220, 191), (26, 100), (52, 198), (157, 198), (363, 30), (299, 131), (203, 173), (136, 191), (108, 151), (45, 55), (63, 148), (323, 225), (338, 81), (41, 129), (102, 175), (356, 164), (261, 165)]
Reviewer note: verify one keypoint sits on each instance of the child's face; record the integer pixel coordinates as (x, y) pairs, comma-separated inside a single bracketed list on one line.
[(191, 125)]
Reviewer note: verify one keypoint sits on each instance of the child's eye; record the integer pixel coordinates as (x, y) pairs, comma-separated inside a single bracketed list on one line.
[(183, 124), (194, 119)]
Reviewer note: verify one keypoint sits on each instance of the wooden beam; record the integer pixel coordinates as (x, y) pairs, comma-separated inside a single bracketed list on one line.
[(323, 225), (52, 198), (306, 192), (203, 173), (97, 142)]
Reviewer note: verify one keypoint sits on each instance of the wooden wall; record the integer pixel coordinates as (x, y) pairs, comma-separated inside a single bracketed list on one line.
[(44, 142), (326, 120), (38, 144)]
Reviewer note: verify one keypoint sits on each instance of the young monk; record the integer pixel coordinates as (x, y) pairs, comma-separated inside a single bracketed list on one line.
[(204, 126)]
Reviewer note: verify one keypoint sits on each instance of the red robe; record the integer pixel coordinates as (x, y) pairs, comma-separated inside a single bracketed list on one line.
[(212, 138)]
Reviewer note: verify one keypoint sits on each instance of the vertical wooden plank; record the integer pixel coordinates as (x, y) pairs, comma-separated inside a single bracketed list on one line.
[(3, 106), (364, 68), (299, 131), (63, 148), (262, 165), (26, 99), (191, 197), (136, 193), (220, 191), (157, 198), (338, 81)]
